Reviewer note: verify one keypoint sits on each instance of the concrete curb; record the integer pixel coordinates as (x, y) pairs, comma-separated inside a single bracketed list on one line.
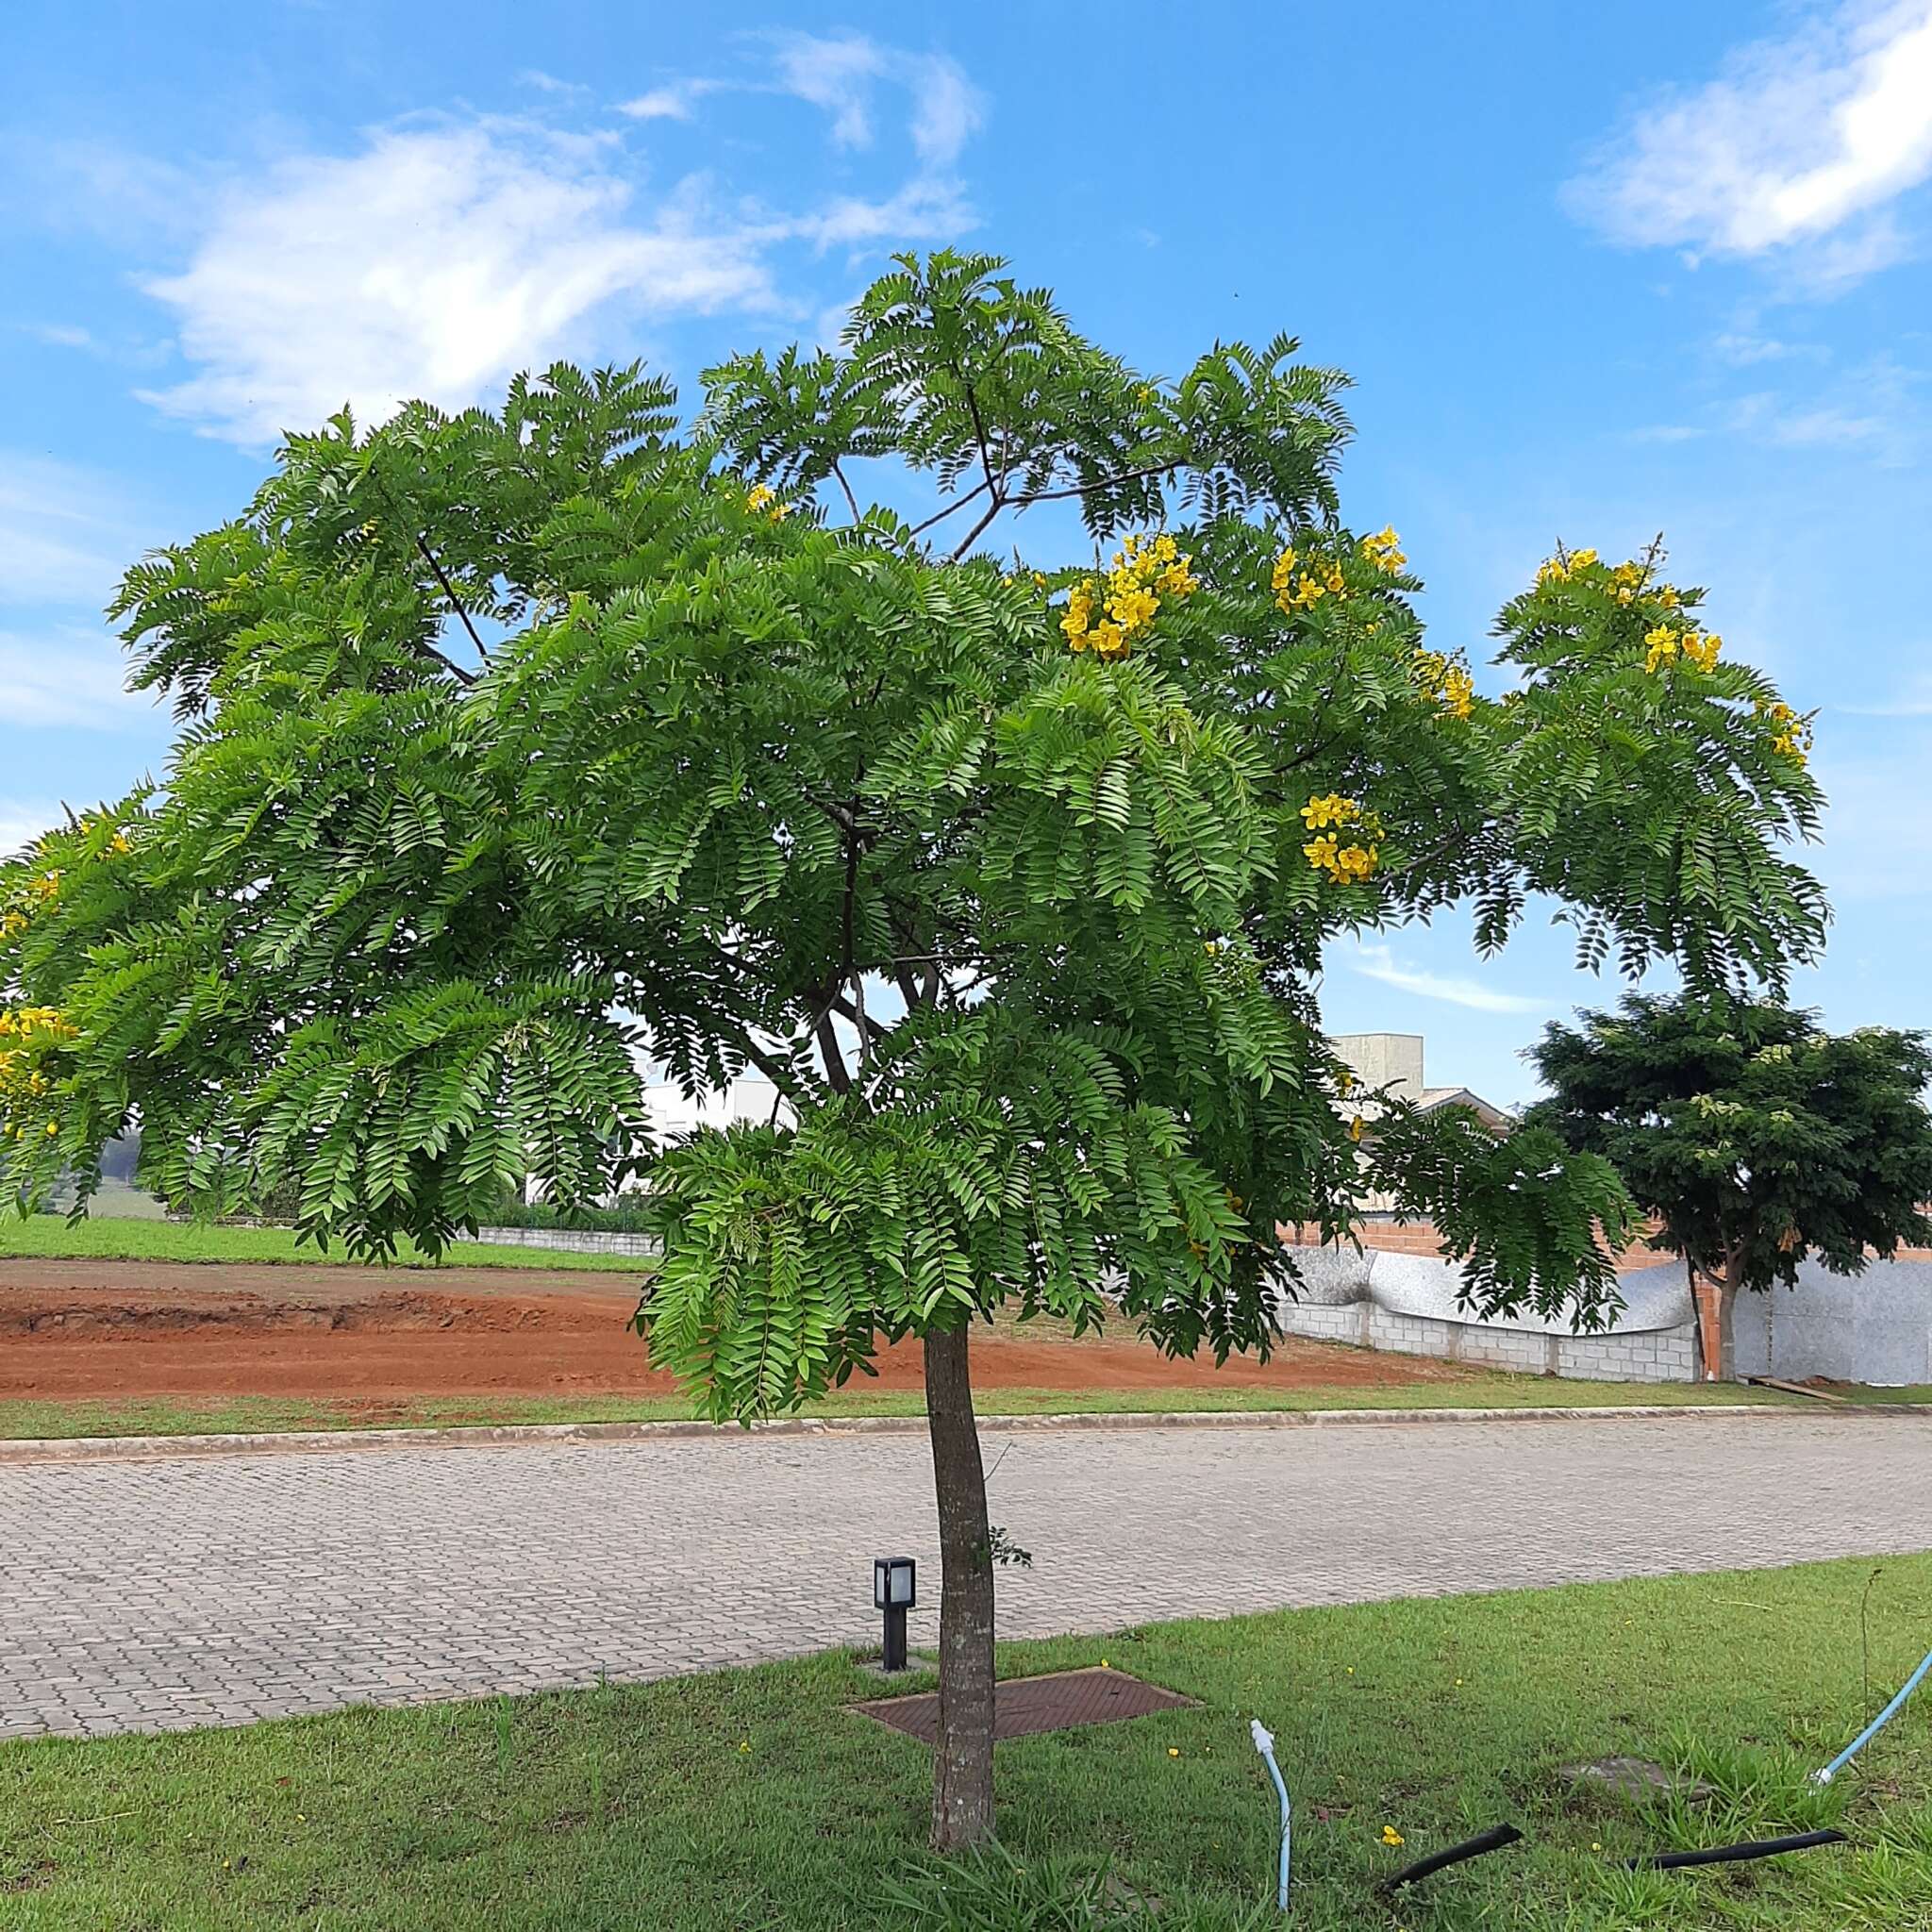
[(321, 1441)]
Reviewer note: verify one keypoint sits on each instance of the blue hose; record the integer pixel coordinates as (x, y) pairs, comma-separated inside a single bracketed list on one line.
[(1877, 1724), (1264, 1743)]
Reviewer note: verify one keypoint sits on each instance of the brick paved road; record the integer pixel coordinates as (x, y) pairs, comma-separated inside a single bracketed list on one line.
[(143, 1595)]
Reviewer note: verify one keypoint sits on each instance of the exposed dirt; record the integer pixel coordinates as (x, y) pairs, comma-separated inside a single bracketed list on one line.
[(137, 1330)]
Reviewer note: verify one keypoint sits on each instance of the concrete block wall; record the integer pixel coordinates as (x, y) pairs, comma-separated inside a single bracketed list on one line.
[(571, 1240), (1658, 1354), (1401, 1294)]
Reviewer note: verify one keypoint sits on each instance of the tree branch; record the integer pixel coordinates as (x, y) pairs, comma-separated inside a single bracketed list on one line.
[(1087, 488), (851, 501), (829, 1050), (455, 604)]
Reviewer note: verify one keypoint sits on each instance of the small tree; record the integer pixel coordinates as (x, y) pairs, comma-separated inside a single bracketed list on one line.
[(1755, 1138), (1013, 880)]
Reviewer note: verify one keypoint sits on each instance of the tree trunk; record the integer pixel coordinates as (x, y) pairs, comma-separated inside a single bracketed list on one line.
[(1726, 1313), (962, 1751)]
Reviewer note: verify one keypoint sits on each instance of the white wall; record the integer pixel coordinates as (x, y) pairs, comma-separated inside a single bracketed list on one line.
[(1870, 1327)]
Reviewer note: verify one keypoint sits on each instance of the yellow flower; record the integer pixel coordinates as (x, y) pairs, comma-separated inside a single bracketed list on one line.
[(1333, 581), (1790, 734), (1173, 1751), (1581, 559), (1133, 609), (1702, 650), (758, 498), (1078, 614), (1383, 550), (1355, 1129), (1281, 579), (1321, 852), (1333, 809), (1392, 1837), (1663, 643)]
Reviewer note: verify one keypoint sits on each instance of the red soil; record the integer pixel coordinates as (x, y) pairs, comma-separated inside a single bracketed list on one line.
[(131, 1330)]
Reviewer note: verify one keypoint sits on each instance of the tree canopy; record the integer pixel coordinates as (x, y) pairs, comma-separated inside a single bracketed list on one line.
[(1756, 1139), (1015, 880), (520, 748)]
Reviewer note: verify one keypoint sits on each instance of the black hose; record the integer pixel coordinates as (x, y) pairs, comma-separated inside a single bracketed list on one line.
[(1491, 1840), (1728, 1854)]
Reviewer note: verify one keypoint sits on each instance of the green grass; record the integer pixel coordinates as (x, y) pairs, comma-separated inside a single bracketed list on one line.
[(1857, 1392), (25, 1419), (51, 1237), (752, 1799)]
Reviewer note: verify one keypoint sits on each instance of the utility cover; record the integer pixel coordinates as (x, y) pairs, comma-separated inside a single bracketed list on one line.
[(1022, 1706)]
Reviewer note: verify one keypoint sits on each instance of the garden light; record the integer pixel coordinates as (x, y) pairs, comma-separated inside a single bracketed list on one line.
[(894, 1591)]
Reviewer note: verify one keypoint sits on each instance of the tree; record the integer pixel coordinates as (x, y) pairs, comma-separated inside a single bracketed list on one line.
[(517, 747), (1755, 1138)]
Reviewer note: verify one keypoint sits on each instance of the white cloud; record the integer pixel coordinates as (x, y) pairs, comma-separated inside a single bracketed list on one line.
[(70, 677), (673, 103), (835, 74), (64, 538), (1795, 138), (436, 262), (1379, 963), (444, 254), (60, 335), (838, 74), (1745, 351), (921, 210), (23, 820)]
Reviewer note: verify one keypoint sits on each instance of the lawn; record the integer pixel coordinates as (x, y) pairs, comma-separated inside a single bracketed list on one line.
[(24, 1419), (752, 1799), (52, 1236)]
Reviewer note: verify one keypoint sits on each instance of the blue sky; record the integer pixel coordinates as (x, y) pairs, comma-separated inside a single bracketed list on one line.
[(1596, 272)]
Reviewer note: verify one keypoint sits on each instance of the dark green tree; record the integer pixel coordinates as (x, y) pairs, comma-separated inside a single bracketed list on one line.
[(1753, 1136), (519, 750)]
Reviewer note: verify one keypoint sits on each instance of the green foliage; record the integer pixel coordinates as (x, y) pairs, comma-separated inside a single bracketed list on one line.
[(1756, 1139), (996, 1889), (519, 749)]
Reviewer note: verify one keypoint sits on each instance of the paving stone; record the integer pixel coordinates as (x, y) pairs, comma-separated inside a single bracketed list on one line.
[(179, 1592)]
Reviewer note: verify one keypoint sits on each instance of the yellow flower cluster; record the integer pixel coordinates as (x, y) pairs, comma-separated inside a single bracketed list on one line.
[(1383, 550), (1790, 734), (1562, 567), (1143, 574), (39, 892), (27, 1035), (758, 498), (1445, 680), (1325, 852), (1304, 592), (1699, 647)]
